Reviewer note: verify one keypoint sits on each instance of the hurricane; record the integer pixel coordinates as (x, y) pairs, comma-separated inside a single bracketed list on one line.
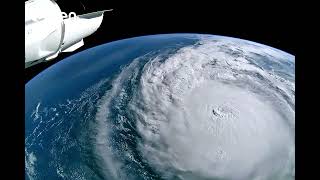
[(217, 108)]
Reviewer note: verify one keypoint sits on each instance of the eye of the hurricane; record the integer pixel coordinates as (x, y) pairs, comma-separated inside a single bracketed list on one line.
[(215, 112)]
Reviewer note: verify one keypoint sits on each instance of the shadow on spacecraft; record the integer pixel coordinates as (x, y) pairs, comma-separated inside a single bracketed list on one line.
[(49, 31)]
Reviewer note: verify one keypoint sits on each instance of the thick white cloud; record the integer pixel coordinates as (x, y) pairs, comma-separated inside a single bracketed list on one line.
[(201, 115), (206, 112)]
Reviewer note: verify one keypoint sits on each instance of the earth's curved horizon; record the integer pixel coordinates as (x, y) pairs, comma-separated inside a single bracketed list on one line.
[(168, 106)]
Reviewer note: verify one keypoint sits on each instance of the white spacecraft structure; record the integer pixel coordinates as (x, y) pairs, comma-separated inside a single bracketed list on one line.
[(48, 32)]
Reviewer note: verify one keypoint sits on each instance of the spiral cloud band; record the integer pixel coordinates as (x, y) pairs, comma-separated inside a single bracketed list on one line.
[(213, 110)]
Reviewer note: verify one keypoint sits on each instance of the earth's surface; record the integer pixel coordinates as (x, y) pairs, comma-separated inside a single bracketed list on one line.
[(175, 106)]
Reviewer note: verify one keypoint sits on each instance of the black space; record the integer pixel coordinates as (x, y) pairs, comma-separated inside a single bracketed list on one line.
[(275, 24)]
